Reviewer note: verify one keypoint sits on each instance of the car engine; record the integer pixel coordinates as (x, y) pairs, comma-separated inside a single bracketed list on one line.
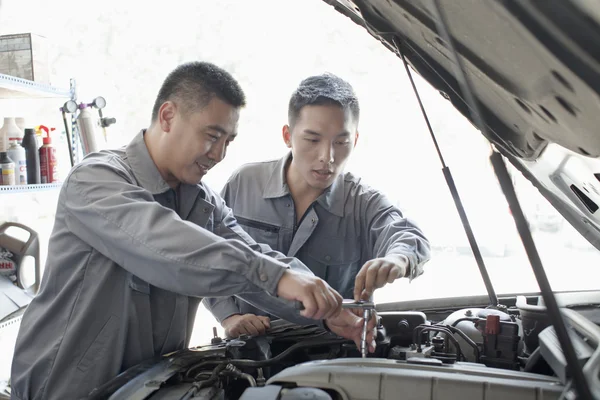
[(474, 353)]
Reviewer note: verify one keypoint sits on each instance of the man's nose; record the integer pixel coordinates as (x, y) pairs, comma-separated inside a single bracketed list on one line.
[(326, 154), (217, 152)]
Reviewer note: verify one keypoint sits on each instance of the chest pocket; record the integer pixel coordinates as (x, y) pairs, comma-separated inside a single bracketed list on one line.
[(202, 215), (261, 232), (336, 260)]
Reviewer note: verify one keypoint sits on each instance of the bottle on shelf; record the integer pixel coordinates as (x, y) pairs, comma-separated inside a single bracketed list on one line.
[(17, 154), (20, 121), (7, 170), (32, 156), (9, 130), (48, 165)]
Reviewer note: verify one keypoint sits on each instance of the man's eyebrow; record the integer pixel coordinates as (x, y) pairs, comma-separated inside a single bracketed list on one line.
[(312, 132), (218, 128)]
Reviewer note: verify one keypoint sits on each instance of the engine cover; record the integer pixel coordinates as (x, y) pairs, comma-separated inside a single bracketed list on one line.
[(380, 379)]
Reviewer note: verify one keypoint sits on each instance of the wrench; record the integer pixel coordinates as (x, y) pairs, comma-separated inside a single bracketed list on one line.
[(367, 307)]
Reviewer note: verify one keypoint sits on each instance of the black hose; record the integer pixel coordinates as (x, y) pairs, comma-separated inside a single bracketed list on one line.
[(264, 363), (196, 387), (287, 352), (472, 319), (467, 339), (204, 363), (424, 328)]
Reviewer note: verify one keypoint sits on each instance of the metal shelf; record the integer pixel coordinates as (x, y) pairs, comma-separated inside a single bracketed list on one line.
[(29, 188), (12, 87)]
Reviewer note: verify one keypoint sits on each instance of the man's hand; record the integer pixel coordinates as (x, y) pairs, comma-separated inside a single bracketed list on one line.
[(248, 324), (376, 273), (348, 325), (319, 299)]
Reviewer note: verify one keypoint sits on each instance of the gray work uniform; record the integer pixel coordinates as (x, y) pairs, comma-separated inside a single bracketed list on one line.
[(129, 259), (348, 225)]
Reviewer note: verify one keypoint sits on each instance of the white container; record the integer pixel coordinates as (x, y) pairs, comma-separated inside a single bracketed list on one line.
[(9, 130), (17, 154), (21, 123)]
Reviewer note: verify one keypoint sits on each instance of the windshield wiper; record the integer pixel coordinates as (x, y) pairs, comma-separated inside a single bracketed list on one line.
[(506, 184)]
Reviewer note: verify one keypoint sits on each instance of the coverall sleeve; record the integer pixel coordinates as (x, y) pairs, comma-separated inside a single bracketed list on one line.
[(224, 307), (389, 232), (124, 223)]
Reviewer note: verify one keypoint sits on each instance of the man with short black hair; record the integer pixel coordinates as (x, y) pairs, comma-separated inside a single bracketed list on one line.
[(305, 205), (139, 239)]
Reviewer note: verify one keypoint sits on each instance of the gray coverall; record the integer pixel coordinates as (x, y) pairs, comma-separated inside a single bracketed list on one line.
[(348, 225), (129, 259)]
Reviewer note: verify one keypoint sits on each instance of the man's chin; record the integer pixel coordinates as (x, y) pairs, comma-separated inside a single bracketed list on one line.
[(195, 180), (321, 184)]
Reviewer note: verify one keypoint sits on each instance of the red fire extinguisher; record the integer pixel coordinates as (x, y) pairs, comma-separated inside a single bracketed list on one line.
[(48, 167)]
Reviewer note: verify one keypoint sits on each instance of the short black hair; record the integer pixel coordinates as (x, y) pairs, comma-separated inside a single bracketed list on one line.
[(323, 89), (193, 85)]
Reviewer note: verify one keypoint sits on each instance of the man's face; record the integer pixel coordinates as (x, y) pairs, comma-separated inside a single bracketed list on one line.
[(321, 140), (195, 142)]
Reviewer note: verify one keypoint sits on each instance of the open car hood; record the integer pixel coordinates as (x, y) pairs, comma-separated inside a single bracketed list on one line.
[(535, 70)]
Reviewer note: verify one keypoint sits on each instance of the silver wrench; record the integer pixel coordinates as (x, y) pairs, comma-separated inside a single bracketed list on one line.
[(367, 307)]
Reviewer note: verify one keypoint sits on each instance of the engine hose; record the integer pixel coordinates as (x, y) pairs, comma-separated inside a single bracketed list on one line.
[(287, 352), (467, 339), (204, 364), (265, 363), (196, 387), (471, 319), (239, 374), (448, 333)]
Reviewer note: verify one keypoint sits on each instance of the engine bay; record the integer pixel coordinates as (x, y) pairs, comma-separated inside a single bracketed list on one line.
[(478, 352)]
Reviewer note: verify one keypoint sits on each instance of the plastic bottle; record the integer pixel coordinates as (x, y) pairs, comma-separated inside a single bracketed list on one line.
[(16, 152), (7, 169), (48, 166), (20, 121), (33, 157), (9, 130)]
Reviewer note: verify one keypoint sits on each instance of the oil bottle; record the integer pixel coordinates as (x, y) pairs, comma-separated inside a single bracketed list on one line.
[(17, 154), (7, 170)]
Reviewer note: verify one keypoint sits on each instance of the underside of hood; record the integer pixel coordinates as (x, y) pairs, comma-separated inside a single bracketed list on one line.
[(535, 70)]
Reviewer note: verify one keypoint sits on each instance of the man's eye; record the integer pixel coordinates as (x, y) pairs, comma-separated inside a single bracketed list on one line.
[(213, 137), (343, 143), (312, 140)]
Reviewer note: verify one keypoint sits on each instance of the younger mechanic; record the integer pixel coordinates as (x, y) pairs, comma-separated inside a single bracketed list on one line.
[(304, 205)]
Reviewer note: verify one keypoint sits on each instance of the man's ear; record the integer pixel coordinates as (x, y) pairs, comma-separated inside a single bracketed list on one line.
[(166, 113), (356, 139), (287, 136)]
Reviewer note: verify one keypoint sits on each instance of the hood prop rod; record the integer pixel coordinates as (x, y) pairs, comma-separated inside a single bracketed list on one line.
[(466, 87), (454, 192)]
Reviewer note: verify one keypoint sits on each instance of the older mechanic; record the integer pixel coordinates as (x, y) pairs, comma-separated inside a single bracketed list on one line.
[(138, 238), (305, 206)]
